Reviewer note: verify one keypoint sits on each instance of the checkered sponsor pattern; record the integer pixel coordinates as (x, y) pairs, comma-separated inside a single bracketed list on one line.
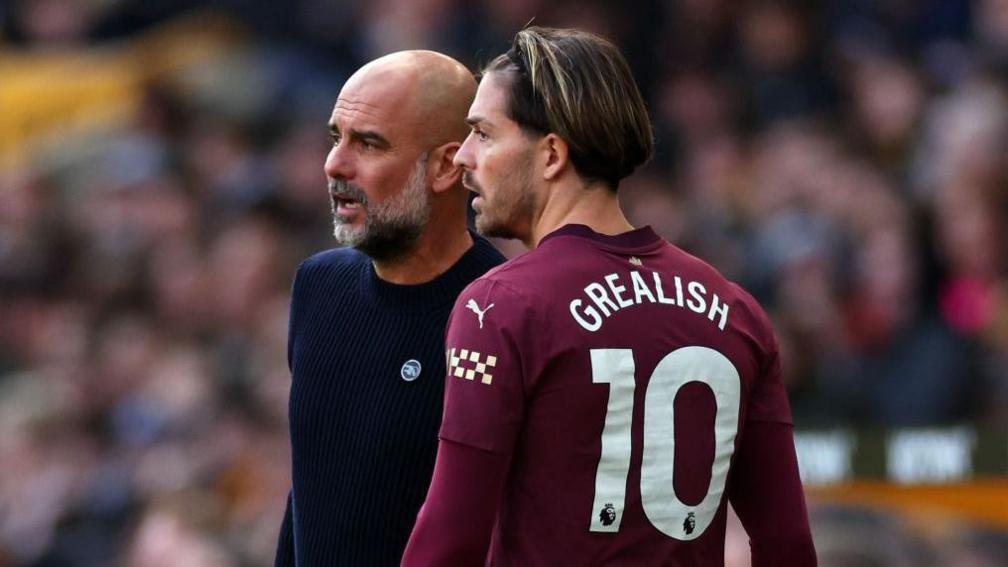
[(468, 364)]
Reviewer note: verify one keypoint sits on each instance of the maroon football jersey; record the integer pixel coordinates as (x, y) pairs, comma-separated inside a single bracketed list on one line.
[(619, 373)]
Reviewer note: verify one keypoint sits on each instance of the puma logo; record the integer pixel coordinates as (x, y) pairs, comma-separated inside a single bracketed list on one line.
[(471, 304)]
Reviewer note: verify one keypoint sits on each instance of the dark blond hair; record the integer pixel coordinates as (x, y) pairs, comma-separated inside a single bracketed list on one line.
[(579, 86)]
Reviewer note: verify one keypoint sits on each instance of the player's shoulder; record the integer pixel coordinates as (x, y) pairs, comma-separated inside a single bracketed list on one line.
[(494, 282), (750, 317), (710, 273), (521, 275), (752, 310), (508, 284), (746, 309)]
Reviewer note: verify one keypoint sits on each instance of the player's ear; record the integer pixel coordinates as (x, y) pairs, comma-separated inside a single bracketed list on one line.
[(441, 169), (555, 155)]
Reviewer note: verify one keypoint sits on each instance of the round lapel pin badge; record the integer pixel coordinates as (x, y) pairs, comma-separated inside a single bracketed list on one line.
[(410, 370)]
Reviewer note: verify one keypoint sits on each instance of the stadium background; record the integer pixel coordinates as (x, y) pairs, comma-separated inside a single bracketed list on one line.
[(160, 178)]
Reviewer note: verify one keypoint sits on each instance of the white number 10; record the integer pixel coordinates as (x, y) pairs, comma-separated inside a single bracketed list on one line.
[(661, 505)]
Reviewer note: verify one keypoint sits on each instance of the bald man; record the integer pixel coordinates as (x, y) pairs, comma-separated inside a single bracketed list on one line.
[(367, 319)]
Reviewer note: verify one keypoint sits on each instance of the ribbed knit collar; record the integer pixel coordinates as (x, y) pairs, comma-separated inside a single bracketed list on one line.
[(430, 295)]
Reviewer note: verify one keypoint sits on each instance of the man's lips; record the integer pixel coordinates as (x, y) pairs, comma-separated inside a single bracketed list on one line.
[(478, 199), (468, 183), (346, 205)]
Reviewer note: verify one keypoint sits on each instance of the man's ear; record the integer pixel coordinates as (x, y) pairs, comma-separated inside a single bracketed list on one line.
[(441, 169), (555, 154)]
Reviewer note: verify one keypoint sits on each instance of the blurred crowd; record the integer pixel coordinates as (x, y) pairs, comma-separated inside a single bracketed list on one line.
[(844, 160)]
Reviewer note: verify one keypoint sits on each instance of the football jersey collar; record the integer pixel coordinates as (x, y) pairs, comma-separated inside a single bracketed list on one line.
[(637, 238)]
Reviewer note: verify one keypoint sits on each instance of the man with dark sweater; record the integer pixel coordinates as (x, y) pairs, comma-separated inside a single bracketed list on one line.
[(367, 320)]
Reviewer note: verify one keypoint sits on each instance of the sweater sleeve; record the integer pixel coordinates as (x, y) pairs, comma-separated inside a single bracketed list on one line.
[(295, 300), (767, 495), (285, 545)]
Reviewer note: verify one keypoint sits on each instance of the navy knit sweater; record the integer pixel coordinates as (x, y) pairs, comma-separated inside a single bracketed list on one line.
[(367, 363)]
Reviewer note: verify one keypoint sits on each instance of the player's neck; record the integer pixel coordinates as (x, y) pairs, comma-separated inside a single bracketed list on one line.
[(594, 206), (439, 248)]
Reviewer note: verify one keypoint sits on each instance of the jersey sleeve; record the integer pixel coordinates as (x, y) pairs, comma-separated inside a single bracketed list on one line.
[(487, 355), (462, 501), (766, 492), (769, 401)]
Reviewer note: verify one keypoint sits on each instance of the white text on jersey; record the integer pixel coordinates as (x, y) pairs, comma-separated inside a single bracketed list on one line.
[(605, 300)]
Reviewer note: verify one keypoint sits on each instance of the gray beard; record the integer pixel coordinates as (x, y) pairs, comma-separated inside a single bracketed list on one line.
[(391, 228)]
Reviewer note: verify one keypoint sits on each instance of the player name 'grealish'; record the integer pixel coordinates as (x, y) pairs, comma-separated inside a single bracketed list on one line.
[(605, 300)]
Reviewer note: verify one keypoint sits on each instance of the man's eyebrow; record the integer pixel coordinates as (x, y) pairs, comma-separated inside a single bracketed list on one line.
[(369, 136), (474, 120), (366, 135)]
